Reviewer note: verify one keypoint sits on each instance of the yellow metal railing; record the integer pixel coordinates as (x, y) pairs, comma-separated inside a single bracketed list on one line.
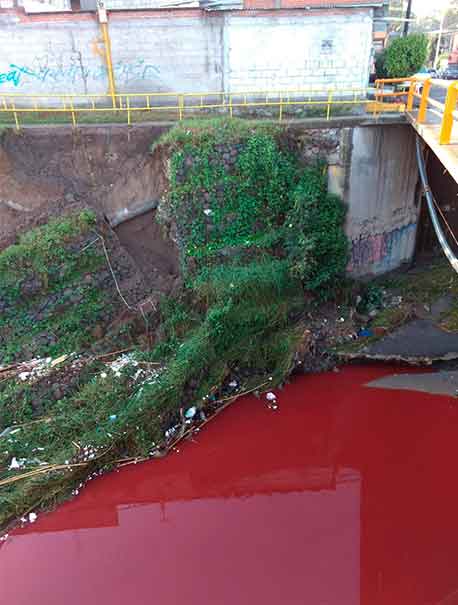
[(445, 114), (181, 104), (406, 95)]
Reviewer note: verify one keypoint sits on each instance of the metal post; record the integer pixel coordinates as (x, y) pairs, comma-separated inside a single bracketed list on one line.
[(411, 95), (424, 102), (73, 113), (447, 119), (16, 121), (439, 38), (408, 14), (328, 112), (103, 20)]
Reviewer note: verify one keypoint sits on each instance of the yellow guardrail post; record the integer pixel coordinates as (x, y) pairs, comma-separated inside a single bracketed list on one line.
[(128, 110), (16, 120), (280, 113), (411, 95), (447, 119), (103, 20), (180, 106), (328, 112), (424, 102), (73, 113)]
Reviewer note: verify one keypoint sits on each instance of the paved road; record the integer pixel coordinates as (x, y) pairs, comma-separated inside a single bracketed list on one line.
[(438, 93)]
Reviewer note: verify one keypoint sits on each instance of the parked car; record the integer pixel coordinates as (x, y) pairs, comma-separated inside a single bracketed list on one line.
[(450, 72)]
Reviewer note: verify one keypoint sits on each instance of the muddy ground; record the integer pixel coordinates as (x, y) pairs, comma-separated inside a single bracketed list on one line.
[(45, 172)]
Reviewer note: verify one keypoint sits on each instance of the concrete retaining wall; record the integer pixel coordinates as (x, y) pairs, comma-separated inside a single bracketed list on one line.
[(380, 191), (186, 51)]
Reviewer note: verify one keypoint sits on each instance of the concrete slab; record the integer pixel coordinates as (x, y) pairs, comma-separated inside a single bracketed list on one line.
[(420, 338), (440, 383)]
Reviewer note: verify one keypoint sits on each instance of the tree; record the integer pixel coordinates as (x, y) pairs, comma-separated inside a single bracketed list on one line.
[(405, 56)]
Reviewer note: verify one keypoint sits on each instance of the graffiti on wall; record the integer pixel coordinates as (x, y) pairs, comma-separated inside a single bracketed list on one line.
[(13, 75), (75, 72), (382, 250)]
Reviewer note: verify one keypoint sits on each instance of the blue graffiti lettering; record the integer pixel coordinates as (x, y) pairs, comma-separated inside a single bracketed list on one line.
[(14, 75), (125, 72)]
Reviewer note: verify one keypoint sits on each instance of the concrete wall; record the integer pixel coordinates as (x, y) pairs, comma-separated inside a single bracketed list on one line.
[(277, 53), (373, 169), (186, 51), (380, 191), (179, 55)]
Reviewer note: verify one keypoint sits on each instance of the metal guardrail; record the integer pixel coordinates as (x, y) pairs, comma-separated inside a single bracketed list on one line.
[(74, 105), (404, 95), (446, 112)]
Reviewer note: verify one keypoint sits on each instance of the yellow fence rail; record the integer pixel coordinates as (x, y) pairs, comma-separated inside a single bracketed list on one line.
[(178, 105), (422, 108)]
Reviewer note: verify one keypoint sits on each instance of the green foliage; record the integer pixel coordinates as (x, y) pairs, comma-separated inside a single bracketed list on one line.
[(380, 67), (254, 229), (316, 243), (406, 55), (371, 298), (41, 249), (49, 297), (214, 131), (225, 199)]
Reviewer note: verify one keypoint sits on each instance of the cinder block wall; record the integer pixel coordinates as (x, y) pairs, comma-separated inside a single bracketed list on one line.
[(185, 51)]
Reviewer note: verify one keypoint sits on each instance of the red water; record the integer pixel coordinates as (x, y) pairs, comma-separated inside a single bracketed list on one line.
[(345, 495)]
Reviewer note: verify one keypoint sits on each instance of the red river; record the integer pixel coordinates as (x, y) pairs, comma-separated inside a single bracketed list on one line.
[(345, 495)]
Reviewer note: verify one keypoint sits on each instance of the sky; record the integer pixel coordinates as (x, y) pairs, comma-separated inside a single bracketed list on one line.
[(422, 8)]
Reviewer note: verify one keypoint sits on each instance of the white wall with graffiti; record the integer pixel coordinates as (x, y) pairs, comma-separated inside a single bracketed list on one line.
[(161, 53), (148, 55)]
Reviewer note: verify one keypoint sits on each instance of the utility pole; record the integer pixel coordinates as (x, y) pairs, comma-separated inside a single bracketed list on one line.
[(439, 38), (408, 15), (103, 21)]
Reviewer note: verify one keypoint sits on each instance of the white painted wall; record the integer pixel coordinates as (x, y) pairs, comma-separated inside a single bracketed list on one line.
[(178, 55), (277, 53), (198, 54)]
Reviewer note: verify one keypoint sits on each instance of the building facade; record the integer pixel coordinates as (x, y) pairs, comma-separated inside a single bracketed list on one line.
[(55, 46)]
